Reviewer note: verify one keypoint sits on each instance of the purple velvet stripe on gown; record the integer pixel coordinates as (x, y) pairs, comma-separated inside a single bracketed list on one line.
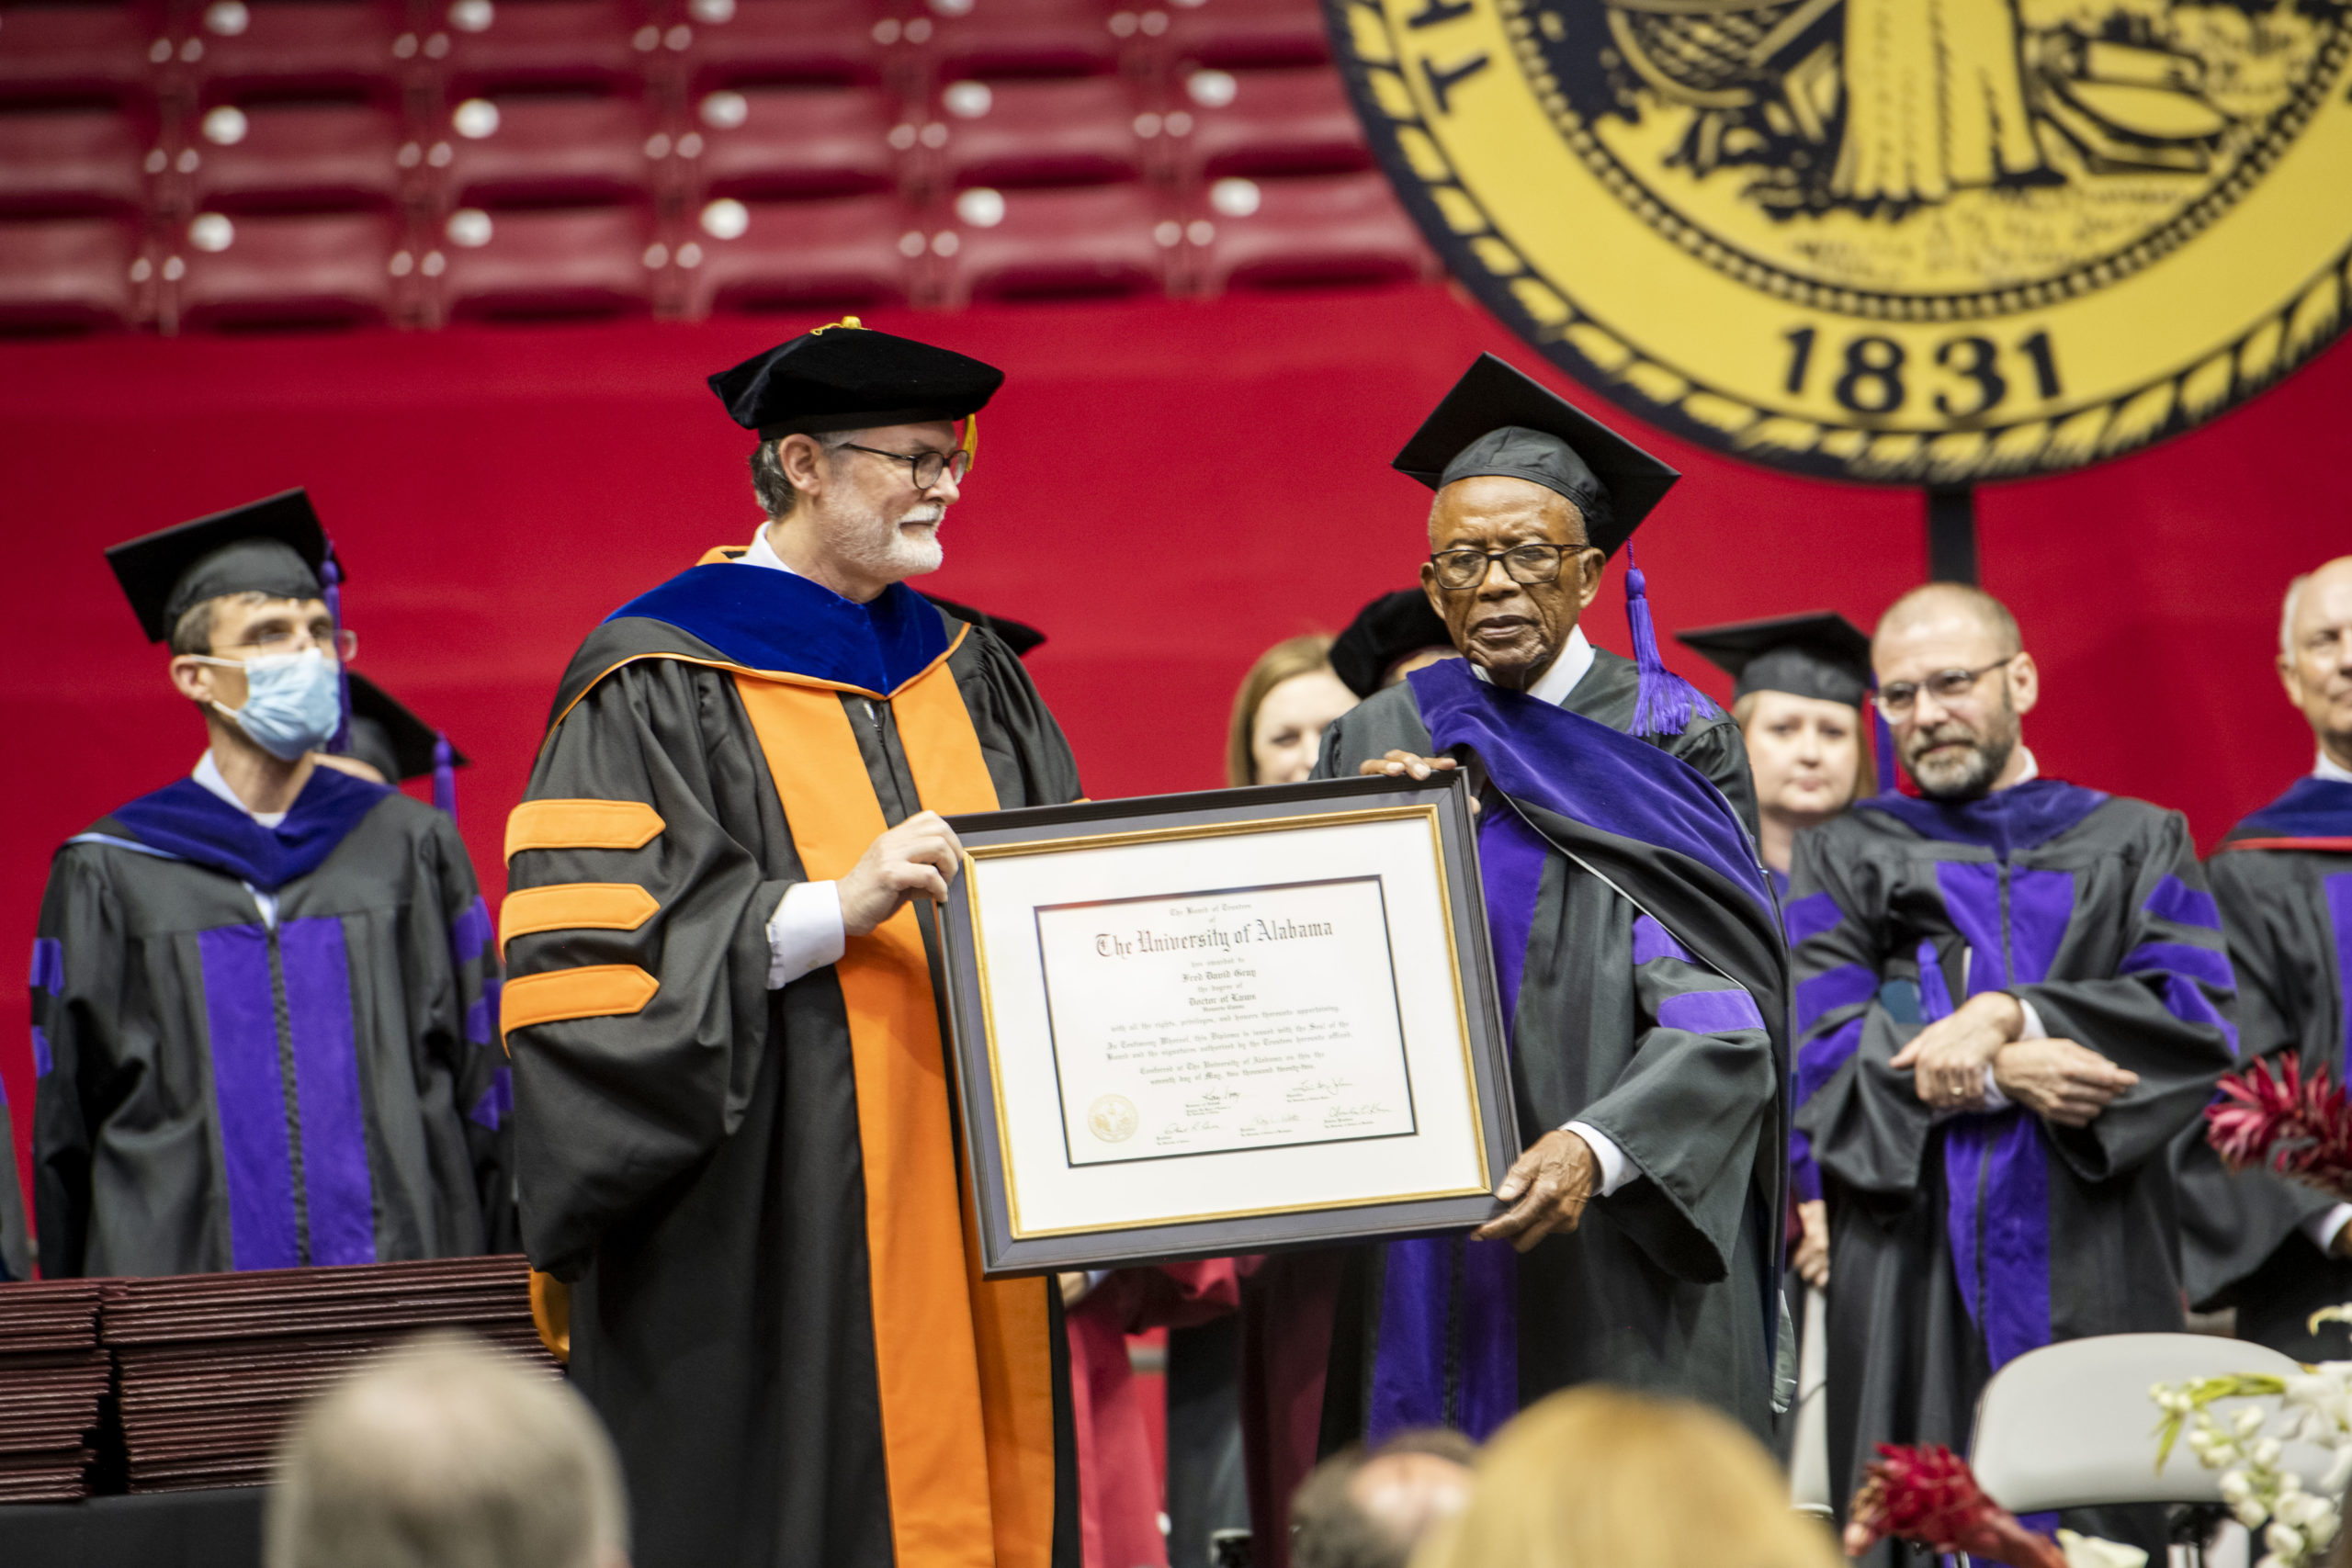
[(336, 1183), (2338, 890), (1448, 1348), (249, 1094)]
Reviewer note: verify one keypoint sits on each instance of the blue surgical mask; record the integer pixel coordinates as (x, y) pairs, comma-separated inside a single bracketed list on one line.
[(293, 701)]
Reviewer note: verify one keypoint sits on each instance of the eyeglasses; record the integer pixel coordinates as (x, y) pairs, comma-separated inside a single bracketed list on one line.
[(925, 467), (274, 640), (1530, 566), (1898, 700)]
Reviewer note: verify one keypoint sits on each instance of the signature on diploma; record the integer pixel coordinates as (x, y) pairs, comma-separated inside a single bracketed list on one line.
[(1317, 1088), (1355, 1115), (1267, 1126)]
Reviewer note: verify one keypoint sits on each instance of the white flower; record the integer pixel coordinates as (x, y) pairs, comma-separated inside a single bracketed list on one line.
[(2250, 1514), (2266, 1452), (2285, 1540), (2235, 1488), (2250, 1421), (2339, 1473), (2090, 1551)]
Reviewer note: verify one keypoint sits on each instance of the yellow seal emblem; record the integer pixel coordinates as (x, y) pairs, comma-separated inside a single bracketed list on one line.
[(1112, 1118), (1901, 241)]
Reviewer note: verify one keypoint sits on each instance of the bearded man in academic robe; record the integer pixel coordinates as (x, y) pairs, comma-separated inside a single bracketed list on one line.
[(2277, 1250), (264, 995), (1642, 980), (2012, 997), (736, 1154)]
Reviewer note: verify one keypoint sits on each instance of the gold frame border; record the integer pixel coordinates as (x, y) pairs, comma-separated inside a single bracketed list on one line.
[(1305, 822)]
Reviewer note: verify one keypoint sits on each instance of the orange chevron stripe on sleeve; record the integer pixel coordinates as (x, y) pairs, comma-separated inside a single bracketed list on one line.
[(574, 905), (580, 825), (594, 991)]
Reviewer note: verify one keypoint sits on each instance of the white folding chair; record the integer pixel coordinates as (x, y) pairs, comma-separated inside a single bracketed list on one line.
[(1809, 1448)]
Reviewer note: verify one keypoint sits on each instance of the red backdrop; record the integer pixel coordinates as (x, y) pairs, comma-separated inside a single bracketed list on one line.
[(1165, 488)]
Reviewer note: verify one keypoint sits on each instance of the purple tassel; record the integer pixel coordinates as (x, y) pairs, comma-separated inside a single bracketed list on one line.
[(331, 575), (1665, 701), (445, 775)]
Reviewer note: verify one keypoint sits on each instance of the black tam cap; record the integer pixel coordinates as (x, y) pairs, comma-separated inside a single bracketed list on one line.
[(1389, 628), (388, 737), (1017, 636), (274, 547), (846, 377), (1823, 655), (1499, 421)]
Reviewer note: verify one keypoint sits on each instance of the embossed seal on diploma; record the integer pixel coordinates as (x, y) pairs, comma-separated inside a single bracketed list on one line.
[(1112, 1118)]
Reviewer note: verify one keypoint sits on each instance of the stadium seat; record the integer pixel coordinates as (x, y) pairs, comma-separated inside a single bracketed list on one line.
[(49, 52), (734, 41), (1238, 32), (1021, 38), (288, 46), (1322, 229), (495, 44), (288, 157), (1031, 243), (1048, 133), (1295, 122), (73, 274), (853, 251), (318, 269), (790, 141), (73, 160), (505, 151), (597, 260)]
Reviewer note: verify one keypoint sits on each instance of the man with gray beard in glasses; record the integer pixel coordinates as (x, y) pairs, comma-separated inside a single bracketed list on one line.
[(2011, 996)]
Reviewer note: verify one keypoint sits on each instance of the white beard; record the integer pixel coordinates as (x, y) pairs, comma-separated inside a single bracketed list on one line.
[(888, 551)]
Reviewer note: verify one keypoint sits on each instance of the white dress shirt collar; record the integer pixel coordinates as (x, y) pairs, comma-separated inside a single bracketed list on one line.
[(1566, 672), (208, 773), (2329, 768), (761, 554), (2032, 767)]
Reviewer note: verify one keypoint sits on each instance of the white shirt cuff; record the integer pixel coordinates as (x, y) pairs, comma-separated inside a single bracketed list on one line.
[(1615, 1168), (2321, 1228), (805, 932), (2032, 1029)]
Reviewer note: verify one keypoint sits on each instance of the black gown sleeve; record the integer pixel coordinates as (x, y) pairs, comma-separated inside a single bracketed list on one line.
[(78, 952), (467, 1036), (1029, 759), (1718, 750), (2163, 1014), (612, 1107)]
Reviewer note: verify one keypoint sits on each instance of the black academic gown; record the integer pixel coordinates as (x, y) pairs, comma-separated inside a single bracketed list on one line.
[(695, 1168), (1652, 1010), (1959, 1244), (2283, 878), (262, 1048)]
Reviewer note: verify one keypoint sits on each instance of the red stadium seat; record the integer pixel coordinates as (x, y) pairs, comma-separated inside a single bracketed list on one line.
[(287, 157), (793, 141), (597, 260), (1090, 240), (50, 51), (1294, 121), (860, 249), (1016, 38), (732, 41), (341, 268), (73, 274), (73, 160), (1048, 132), (1238, 32), (1331, 229), (536, 149), (285, 46), (493, 44)]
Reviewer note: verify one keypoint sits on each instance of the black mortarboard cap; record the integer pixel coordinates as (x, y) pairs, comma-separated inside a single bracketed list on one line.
[(845, 376), (274, 547), (1384, 631), (1822, 655), (1017, 636), (389, 738), (1499, 420)]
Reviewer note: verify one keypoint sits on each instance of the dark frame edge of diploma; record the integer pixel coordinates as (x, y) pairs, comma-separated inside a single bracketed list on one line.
[(1002, 1012)]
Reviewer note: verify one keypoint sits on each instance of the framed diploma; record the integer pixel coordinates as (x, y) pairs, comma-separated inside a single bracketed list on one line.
[(1234, 1022)]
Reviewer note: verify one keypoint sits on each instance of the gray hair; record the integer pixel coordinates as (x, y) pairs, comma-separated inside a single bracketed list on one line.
[(777, 498), (2293, 602), (445, 1453)]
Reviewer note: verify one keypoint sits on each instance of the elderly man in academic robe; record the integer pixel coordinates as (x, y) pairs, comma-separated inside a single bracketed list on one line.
[(2011, 997), (2273, 1248), (736, 1153), (1642, 976)]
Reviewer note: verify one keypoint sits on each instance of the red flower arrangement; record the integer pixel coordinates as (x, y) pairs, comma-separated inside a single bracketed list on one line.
[(2300, 1127), (1928, 1495)]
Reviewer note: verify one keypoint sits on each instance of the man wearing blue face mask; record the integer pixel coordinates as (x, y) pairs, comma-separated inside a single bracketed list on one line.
[(265, 996)]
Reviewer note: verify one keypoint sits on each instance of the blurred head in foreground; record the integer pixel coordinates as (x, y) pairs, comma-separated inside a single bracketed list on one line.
[(447, 1454), (1596, 1477), (1279, 713), (1369, 1510)]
